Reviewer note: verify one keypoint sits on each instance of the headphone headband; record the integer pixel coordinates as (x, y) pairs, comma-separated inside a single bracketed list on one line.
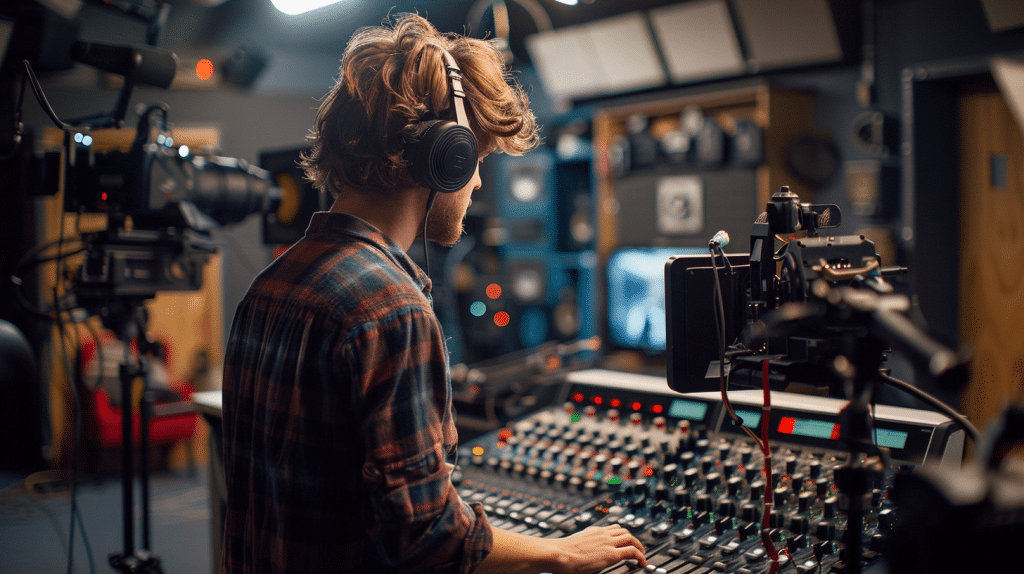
[(445, 157), (458, 96)]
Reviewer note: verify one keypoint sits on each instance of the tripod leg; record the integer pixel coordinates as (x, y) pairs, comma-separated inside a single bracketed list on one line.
[(128, 462), (145, 409)]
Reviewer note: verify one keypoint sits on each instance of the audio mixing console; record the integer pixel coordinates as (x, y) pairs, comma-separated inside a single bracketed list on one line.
[(624, 449)]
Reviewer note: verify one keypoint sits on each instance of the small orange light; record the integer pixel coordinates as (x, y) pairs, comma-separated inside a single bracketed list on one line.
[(501, 319), (657, 409), (598, 400), (616, 403), (636, 406), (648, 471), (103, 196), (204, 69), (578, 397), (494, 290), (478, 450)]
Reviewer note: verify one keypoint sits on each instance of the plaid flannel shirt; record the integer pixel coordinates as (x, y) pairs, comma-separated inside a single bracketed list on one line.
[(339, 438)]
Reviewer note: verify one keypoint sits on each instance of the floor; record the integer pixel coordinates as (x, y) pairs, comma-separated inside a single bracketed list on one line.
[(35, 518)]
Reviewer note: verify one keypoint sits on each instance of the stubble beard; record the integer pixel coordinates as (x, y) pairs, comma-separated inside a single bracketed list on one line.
[(445, 222)]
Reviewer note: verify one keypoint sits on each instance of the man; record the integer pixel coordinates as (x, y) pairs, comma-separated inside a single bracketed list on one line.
[(338, 426)]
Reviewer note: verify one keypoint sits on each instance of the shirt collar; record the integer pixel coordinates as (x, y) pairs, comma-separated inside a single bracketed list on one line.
[(332, 226)]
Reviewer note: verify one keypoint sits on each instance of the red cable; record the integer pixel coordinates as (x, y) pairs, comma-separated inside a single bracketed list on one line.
[(766, 412)]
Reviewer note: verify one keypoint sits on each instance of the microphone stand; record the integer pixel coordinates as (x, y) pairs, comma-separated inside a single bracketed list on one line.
[(880, 313), (856, 478)]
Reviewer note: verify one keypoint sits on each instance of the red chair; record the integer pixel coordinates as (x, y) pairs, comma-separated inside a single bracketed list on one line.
[(173, 420)]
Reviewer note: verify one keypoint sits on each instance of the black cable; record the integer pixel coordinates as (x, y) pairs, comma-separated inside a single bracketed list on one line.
[(37, 89), (77, 428), (719, 314), (32, 258), (453, 326), (75, 509), (77, 398), (142, 128), (426, 257), (17, 123), (719, 304), (32, 253), (935, 402), (76, 513)]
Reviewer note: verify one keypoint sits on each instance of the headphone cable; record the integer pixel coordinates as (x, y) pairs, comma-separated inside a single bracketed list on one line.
[(426, 257)]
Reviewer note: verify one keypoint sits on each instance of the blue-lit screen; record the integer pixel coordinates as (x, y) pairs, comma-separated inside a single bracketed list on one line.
[(636, 296)]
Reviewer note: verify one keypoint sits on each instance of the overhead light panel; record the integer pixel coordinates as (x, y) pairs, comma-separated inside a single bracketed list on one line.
[(296, 7)]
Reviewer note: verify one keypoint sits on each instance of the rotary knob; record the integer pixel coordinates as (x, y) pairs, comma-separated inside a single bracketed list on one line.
[(804, 502), (799, 524), (750, 513), (681, 497), (661, 492), (727, 507), (686, 459), (734, 485), (756, 490), (690, 477)]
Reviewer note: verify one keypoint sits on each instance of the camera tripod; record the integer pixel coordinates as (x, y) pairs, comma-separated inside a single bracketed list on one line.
[(126, 316)]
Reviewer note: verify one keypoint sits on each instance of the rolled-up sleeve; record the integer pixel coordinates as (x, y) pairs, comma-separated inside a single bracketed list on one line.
[(417, 522)]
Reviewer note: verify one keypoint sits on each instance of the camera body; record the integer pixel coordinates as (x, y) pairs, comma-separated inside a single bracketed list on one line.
[(157, 186), (756, 290)]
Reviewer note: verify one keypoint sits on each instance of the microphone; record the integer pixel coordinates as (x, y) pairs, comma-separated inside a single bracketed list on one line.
[(140, 64), (720, 239)]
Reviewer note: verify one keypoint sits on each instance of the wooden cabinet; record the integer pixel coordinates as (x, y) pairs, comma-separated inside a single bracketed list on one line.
[(780, 116)]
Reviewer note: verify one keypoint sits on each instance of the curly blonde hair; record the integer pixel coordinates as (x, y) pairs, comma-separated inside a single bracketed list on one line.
[(391, 81)]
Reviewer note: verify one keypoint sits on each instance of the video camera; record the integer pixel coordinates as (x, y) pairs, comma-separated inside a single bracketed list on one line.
[(162, 202), (160, 184), (755, 291), (162, 199)]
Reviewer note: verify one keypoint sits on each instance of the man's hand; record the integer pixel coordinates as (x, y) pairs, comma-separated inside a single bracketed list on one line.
[(596, 548), (585, 552)]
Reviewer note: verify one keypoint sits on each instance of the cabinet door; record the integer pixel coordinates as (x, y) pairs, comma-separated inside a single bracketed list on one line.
[(991, 282)]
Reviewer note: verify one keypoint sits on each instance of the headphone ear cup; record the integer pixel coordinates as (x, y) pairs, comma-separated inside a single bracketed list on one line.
[(445, 157)]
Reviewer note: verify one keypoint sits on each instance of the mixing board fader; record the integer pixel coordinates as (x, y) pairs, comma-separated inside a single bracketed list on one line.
[(624, 449)]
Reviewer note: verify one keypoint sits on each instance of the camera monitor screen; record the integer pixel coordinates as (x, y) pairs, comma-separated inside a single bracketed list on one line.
[(692, 338), (636, 296)]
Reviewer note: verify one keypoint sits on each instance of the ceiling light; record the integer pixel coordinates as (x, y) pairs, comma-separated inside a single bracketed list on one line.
[(296, 7), (568, 2)]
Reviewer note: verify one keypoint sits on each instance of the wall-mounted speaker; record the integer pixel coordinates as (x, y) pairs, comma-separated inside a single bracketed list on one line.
[(746, 146), (712, 145), (525, 199), (244, 66), (552, 294), (876, 133), (635, 150)]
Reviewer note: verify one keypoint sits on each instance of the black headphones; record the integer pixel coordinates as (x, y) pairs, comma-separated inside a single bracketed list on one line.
[(444, 158)]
